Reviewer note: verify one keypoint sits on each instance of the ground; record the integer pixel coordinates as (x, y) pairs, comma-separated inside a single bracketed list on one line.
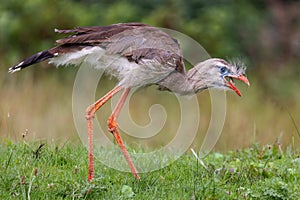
[(48, 171)]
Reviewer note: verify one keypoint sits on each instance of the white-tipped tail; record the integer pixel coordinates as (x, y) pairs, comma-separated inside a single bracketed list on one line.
[(36, 58), (15, 68)]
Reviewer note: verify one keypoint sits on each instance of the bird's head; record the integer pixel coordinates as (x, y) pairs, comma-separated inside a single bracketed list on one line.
[(217, 73)]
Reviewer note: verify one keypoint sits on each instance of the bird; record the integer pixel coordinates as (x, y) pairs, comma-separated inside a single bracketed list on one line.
[(137, 55)]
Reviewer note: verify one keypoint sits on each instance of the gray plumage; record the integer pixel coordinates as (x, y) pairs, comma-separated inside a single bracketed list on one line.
[(137, 55)]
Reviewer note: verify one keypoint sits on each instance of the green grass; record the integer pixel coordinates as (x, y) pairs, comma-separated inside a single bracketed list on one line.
[(32, 171)]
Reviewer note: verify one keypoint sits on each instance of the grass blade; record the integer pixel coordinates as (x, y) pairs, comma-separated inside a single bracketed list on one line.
[(294, 122)]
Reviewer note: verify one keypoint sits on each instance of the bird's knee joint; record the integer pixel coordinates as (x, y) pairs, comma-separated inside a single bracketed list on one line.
[(89, 114), (112, 124)]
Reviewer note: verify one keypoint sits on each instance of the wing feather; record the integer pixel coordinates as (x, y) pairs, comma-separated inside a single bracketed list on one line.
[(135, 41)]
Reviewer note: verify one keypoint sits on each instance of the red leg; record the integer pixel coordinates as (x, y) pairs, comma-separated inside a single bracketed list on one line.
[(113, 128), (90, 113)]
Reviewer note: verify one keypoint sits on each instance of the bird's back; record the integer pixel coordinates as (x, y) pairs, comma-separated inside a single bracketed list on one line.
[(119, 48)]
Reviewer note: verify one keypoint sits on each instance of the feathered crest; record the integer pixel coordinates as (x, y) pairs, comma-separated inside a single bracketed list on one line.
[(238, 66)]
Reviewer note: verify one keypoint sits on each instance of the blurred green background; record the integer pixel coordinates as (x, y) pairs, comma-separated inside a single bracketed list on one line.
[(265, 33)]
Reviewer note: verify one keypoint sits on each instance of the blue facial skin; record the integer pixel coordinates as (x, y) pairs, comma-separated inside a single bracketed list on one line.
[(224, 71)]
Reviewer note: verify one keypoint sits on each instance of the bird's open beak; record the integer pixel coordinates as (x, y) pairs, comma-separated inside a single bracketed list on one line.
[(230, 83)]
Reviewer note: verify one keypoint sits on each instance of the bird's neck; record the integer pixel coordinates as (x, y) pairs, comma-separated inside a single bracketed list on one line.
[(184, 84)]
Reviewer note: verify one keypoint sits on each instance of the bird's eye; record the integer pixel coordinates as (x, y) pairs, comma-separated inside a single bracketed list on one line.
[(224, 70)]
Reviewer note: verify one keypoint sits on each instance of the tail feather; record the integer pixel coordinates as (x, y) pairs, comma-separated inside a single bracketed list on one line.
[(36, 58)]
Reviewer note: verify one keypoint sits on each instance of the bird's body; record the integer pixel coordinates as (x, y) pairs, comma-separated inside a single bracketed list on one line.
[(122, 50), (129, 74), (136, 55)]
